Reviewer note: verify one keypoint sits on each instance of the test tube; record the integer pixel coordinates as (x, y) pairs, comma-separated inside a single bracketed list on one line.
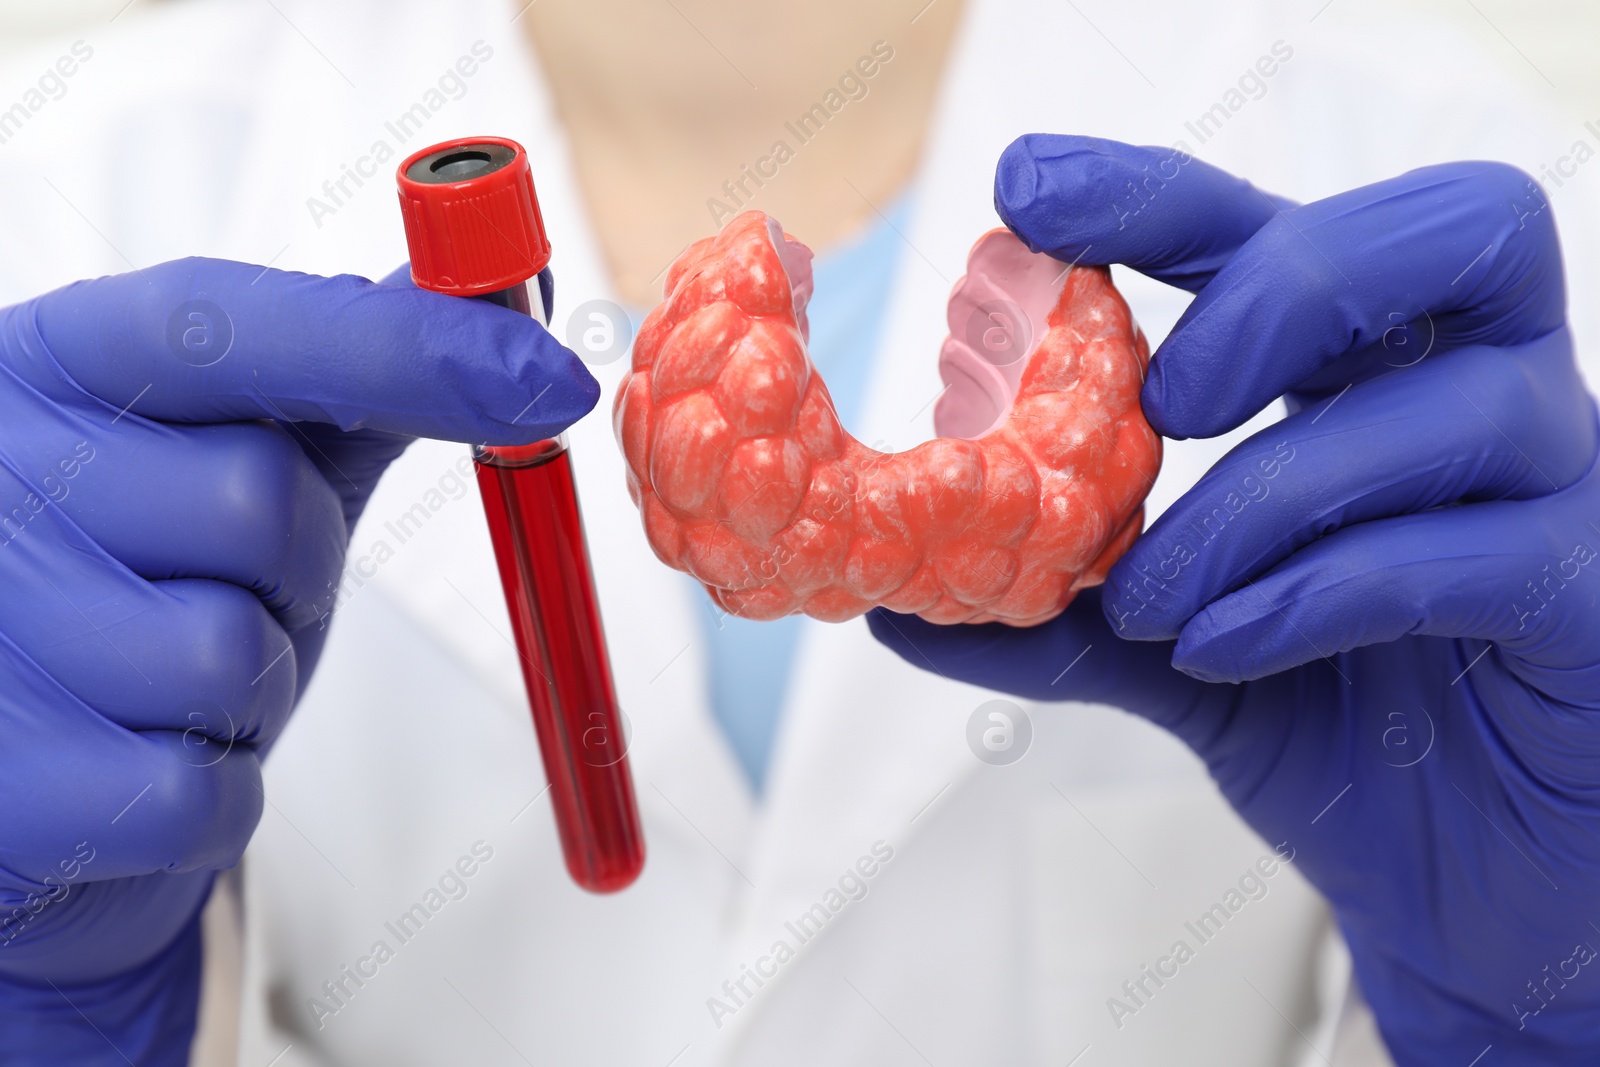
[(473, 229)]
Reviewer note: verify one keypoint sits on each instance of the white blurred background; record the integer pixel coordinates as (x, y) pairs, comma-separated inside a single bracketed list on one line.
[(1550, 40)]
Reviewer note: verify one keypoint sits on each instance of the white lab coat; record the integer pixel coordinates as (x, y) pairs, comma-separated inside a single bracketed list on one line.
[(1018, 899)]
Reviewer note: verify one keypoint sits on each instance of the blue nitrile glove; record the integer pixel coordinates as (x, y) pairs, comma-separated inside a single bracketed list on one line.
[(1376, 621), (182, 452)]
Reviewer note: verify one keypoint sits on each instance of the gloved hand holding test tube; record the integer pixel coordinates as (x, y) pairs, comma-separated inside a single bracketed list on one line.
[(474, 229), (189, 445)]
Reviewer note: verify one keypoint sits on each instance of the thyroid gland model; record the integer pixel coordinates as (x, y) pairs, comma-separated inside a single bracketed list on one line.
[(746, 480)]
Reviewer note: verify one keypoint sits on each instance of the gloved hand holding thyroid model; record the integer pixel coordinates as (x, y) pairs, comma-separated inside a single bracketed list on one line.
[(1374, 620)]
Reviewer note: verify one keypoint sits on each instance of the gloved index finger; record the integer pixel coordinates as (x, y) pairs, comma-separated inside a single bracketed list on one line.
[(1468, 250), (204, 340), (1157, 210)]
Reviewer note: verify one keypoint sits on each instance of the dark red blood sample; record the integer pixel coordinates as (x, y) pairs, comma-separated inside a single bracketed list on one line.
[(532, 507)]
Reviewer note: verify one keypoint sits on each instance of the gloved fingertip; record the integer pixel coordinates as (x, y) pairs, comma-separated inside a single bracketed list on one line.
[(586, 387), (585, 393), (1132, 619), (1180, 404), (1215, 649), (1153, 399), (1204, 664), (580, 390), (1203, 673), (1016, 184), (538, 389)]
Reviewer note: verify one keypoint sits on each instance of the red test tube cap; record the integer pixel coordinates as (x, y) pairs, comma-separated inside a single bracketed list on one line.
[(472, 217)]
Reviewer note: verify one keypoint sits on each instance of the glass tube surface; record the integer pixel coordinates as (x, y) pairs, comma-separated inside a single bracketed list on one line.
[(531, 502)]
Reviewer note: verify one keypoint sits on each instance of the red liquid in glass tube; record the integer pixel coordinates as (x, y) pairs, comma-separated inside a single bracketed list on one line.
[(532, 507), (473, 229)]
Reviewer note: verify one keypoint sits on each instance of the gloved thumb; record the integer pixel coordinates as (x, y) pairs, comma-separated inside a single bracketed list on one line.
[(1074, 656)]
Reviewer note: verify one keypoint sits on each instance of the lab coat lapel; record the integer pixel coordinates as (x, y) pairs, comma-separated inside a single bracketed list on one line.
[(869, 744), (868, 740)]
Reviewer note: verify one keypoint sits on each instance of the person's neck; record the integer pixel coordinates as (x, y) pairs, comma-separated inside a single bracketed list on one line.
[(676, 112)]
